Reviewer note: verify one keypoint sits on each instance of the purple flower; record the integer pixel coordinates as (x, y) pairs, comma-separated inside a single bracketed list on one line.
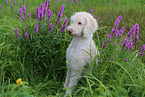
[(29, 15), (14, 2), (103, 45), (36, 28), (50, 27), (6, 2), (109, 35), (64, 25), (54, 2), (0, 7), (11, 4), (117, 22), (106, 41), (59, 15), (142, 50), (18, 2), (16, 31), (121, 31), (129, 34), (20, 11), (58, 1), (41, 10), (97, 18), (23, 9), (83, 0), (71, 1), (19, 36), (125, 59), (76, 1), (23, 0), (136, 31), (26, 35), (49, 14), (125, 43), (91, 11), (130, 44), (114, 44)]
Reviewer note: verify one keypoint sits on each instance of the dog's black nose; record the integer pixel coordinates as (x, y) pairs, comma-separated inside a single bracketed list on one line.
[(70, 31)]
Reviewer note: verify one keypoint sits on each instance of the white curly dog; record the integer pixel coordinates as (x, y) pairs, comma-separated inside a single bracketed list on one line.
[(81, 48)]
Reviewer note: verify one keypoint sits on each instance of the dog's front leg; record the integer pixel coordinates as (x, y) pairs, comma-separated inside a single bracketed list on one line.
[(67, 79), (75, 77)]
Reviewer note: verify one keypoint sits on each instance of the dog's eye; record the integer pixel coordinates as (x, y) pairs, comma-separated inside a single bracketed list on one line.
[(79, 23)]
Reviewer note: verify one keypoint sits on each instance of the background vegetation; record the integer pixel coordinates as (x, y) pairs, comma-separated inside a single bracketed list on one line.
[(40, 61)]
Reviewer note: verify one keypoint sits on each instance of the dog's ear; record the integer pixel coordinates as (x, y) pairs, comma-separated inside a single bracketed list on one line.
[(90, 27)]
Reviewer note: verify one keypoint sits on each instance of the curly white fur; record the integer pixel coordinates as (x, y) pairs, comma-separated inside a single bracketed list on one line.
[(81, 28)]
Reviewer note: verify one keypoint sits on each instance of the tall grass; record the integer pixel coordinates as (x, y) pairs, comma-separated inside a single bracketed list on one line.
[(40, 61)]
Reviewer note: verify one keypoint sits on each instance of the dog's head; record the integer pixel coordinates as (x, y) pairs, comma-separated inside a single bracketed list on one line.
[(82, 24)]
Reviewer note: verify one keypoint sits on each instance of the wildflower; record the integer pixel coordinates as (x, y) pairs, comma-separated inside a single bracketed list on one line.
[(19, 36), (130, 44), (58, 1), (71, 1), (129, 34), (19, 82), (49, 14), (6, 2), (76, 1), (29, 15), (54, 2), (16, 31), (24, 9), (65, 21), (142, 50), (106, 41), (91, 11), (0, 7), (14, 2), (121, 31), (117, 22), (59, 15), (103, 45), (114, 44), (45, 9), (50, 27), (18, 2), (97, 18), (136, 34), (41, 10), (26, 35), (83, 0), (23, 0), (125, 60), (11, 4), (108, 2), (66, 61), (125, 43), (36, 28)]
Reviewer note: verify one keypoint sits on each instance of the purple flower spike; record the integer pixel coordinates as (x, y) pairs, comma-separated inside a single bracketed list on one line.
[(106, 41), (26, 35), (136, 34), (59, 15), (36, 28), (6, 2), (130, 44), (19, 36), (23, 9), (76, 1), (23, 0), (50, 27), (29, 15), (125, 60), (103, 45), (63, 28), (11, 4), (54, 2), (16, 31), (91, 11), (41, 10), (0, 7), (121, 31), (97, 18), (18, 2), (117, 22), (65, 21), (49, 15), (71, 1), (14, 2), (142, 50)]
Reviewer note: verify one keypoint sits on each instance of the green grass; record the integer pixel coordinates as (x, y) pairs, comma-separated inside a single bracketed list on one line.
[(42, 67)]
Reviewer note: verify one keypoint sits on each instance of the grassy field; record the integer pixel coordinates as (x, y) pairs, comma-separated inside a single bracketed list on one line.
[(38, 63)]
